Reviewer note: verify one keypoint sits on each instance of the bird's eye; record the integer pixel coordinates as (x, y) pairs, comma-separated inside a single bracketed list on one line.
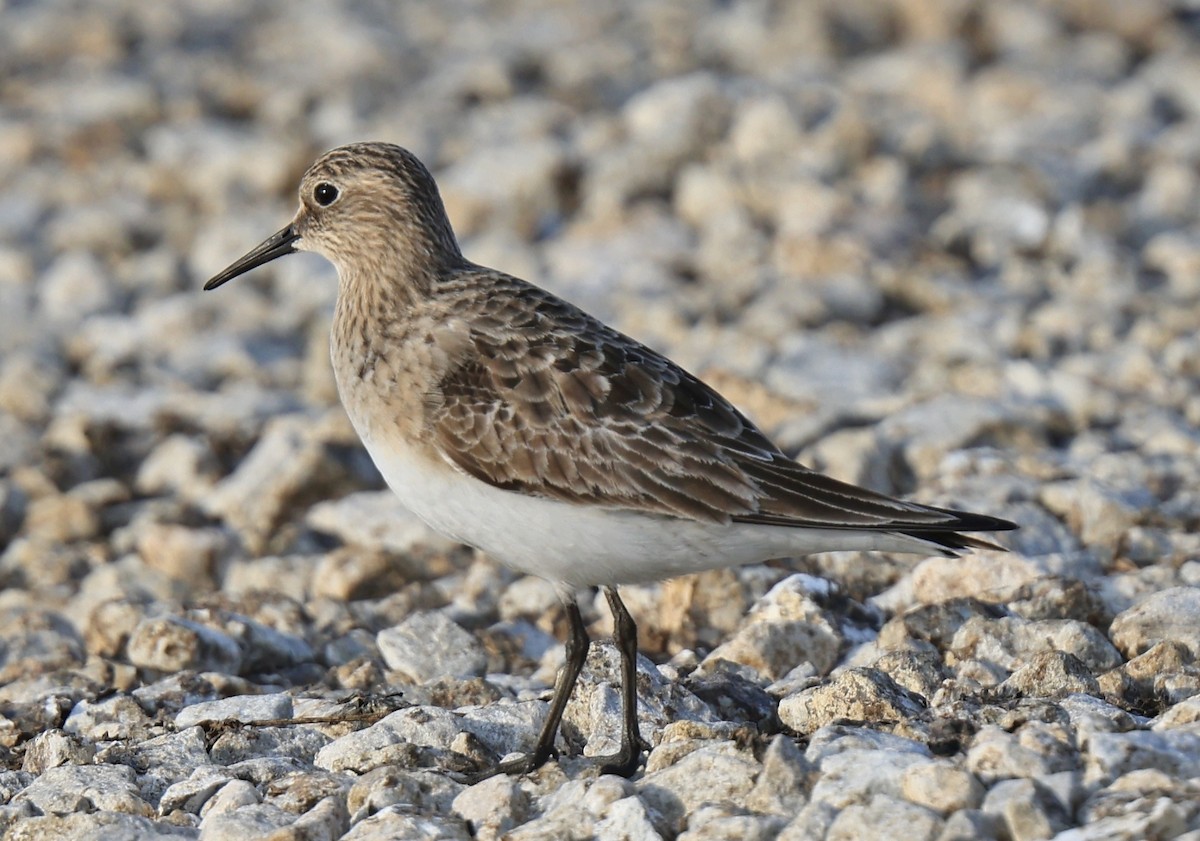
[(325, 193)]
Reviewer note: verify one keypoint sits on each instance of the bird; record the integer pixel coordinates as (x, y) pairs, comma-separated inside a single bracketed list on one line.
[(512, 421)]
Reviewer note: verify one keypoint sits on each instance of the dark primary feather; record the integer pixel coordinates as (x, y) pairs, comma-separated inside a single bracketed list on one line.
[(548, 401)]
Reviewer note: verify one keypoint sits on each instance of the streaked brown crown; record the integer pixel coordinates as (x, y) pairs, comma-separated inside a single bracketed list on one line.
[(388, 217)]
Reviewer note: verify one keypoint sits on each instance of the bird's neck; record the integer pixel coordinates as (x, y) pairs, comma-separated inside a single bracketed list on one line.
[(371, 308)]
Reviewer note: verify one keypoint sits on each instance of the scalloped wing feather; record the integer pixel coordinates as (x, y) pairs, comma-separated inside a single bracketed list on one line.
[(547, 401)]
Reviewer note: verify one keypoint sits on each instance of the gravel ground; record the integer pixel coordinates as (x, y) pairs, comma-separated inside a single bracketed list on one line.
[(946, 249)]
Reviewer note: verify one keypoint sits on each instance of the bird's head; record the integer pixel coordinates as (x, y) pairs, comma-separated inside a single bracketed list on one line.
[(369, 208)]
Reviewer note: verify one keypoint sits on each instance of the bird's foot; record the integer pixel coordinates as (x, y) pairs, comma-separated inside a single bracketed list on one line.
[(623, 763), (526, 763)]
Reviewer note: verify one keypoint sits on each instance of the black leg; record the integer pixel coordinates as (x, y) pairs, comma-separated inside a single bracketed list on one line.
[(577, 651), (627, 760)]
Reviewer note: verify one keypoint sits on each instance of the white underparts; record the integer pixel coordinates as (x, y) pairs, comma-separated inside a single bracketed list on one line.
[(576, 545)]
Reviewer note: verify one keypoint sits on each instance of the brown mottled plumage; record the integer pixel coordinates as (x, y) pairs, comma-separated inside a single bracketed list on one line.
[(511, 420)]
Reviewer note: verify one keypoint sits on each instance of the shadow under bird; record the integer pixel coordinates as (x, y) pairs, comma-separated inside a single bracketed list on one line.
[(512, 421)]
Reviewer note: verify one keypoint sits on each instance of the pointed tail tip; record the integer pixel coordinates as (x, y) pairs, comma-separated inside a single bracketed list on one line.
[(967, 521), (954, 543)]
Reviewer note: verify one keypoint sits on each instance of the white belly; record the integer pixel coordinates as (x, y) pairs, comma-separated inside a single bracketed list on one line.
[(580, 545)]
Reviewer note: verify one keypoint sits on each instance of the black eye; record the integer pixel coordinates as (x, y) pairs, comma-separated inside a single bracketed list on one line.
[(325, 193)]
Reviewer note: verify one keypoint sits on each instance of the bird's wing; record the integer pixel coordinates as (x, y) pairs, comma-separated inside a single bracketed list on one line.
[(547, 401)]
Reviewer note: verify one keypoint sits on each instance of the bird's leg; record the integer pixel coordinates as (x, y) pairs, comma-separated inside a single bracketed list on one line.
[(577, 651), (626, 761)]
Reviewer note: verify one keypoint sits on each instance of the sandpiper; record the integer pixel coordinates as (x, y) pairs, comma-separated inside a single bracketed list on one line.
[(512, 421)]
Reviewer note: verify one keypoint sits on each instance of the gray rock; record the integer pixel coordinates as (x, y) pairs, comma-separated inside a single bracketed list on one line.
[(239, 816), (880, 816), (85, 788), (1089, 715), (1034, 751), (172, 644), (927, 431), (782, 786), (289, 576), (805, 371), (942, 787), (302, 790), (1181, 715), (53, 748), (245, 709), (972, 825), (161, 761), (627, 819), (291, 458), (493, 806), (181, 464), (666, 123), (189, 795), (837, 738), (60, 518), (394, 822), (1100, 514), (12, 782), (111, 624), (935, 623), (564, 813), (264, 770), (1174, 752), (857, 776), (235, 796), (176, 691), (372, 519), (1140, 804), (710, 774), (326, 821), (865, 695), (1052, 597), (678, 115), (920, 671), (529, 597), (75, 286), (1160, 819), (733, 691), (1153, 674), (427, 645), (1010, 642), (510, 186), (785, 627), (811, 823), (526, 641), (713, 822), (13, 502), (1029, 811), (298, 742), (594, 707), (424, 792), (505, 728), (604, 791), (264, 649), (28, 382), (189, 555), (1172, 614), (17, 817), (97, 824), (116, 597), (1051, 674), (17, 443), (390, 740)]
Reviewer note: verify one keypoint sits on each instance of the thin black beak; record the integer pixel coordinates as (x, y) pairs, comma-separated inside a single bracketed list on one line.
[(276, 245)]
